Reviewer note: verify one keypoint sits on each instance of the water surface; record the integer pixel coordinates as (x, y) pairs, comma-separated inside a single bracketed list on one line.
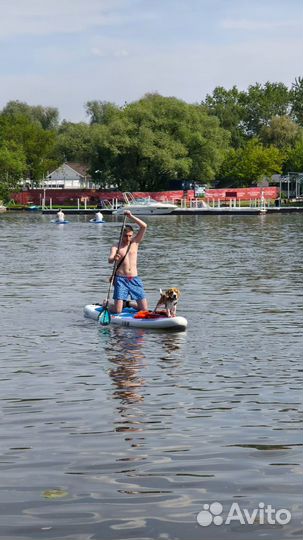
[(114, 433)]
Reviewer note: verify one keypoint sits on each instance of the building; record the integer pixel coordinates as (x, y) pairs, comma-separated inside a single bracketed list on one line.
[(69, 176), (291, 184)]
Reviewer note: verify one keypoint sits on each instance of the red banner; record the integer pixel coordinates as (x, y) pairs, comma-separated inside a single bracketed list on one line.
[(243, 194), (93, 196)]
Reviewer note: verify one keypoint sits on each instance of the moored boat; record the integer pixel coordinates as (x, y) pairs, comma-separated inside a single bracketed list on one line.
[(144, 206)]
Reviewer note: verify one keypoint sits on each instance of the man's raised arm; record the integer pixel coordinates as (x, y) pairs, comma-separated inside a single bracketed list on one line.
[(143, 226)]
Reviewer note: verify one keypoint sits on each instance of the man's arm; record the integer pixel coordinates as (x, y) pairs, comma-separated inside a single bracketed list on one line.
[(113, 254), (142, 226)]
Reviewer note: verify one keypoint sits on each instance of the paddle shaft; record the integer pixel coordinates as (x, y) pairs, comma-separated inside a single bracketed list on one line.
[(115, 264)]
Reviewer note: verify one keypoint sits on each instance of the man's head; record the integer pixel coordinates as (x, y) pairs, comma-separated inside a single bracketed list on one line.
[(128, 233)]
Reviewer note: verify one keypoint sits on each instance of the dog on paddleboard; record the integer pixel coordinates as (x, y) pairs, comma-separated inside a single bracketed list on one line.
[(169, 299)]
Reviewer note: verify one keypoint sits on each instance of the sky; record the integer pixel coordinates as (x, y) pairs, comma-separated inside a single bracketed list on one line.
[(63, 53)]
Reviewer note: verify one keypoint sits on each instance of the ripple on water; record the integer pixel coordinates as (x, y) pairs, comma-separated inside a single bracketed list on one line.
[(132, 431)]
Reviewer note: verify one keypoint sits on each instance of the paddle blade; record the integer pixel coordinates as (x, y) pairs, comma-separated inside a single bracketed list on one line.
[(105, 317)]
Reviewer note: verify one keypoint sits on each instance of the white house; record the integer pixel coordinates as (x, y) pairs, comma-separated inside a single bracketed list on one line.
[(69, 176)]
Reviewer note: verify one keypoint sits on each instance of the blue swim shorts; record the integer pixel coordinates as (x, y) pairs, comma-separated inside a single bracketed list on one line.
[(128, 286)]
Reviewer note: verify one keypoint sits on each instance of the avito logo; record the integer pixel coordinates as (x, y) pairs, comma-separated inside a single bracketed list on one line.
[(264, 514)]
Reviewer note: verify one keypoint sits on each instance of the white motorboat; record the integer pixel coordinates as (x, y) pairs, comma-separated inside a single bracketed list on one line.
[(144, 206), (2, 208)]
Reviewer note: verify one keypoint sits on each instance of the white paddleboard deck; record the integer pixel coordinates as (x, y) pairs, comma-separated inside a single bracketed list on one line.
[(57, 222), (96, 221), (126, 318)]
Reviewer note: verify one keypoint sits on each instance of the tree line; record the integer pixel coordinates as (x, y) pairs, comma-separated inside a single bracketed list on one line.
[(232, 137)]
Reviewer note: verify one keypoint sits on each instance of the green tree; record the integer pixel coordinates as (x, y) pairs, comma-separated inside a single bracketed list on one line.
[(296, 99), (282, 132), (74, 142), (194, 140), (157, 139), (36, 143), (103, 154), (262, 103), (12, 168), (228, 107), (102, 112), (251, 163), (294, 159), (47, 117)]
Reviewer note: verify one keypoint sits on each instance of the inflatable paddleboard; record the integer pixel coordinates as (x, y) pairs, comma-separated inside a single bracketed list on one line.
[(130, 317), (96, 221), (33, 208), (59, 222)]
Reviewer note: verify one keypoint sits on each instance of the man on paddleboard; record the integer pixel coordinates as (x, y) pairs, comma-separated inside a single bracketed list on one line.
[(127, 282), (60, 216), (98, 216)]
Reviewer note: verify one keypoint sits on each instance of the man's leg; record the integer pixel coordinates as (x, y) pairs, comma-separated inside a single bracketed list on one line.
[(119, 292), (130, 304), (117, 307), (142, 304), (137, 291), (114, 307)]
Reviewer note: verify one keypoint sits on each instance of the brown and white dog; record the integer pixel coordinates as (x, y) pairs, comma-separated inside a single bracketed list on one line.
[(169, 299)]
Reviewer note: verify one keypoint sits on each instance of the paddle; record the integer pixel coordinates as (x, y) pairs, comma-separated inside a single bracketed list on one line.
[(105, 317)]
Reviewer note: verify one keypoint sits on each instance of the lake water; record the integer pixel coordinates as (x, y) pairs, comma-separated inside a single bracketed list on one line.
[(111, 433)]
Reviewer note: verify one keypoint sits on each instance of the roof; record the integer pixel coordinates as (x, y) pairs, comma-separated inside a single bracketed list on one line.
[(80, 168)]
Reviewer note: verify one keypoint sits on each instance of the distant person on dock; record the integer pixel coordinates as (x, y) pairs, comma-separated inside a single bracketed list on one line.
[(98, 216), (60, 216), (127, 282)]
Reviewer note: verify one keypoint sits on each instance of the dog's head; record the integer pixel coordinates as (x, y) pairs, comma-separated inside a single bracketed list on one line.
[(171, 295)]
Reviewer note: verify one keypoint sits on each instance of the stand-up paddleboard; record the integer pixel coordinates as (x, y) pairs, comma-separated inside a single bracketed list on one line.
[(97, 221), (59, 222), (33, 208), (130, 317)]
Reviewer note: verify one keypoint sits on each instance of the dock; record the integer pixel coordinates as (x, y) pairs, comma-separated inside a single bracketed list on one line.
[(236, 211), (215, 211), (77, 211)]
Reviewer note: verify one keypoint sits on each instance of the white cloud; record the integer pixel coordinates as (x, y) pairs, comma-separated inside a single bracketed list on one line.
[(108, 48), (255, 25), (122, 53), (121, 63), (187, 73), (44, 17), (98, 52)]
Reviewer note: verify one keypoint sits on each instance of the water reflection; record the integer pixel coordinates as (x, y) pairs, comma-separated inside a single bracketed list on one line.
[(125, 352), (172, 344)]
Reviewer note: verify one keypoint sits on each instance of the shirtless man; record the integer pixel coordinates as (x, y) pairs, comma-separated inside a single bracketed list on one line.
[(98, 216), (127, 282), (60, 216)]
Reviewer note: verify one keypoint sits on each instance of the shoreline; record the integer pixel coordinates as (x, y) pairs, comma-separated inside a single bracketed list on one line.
[(194, 211)]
